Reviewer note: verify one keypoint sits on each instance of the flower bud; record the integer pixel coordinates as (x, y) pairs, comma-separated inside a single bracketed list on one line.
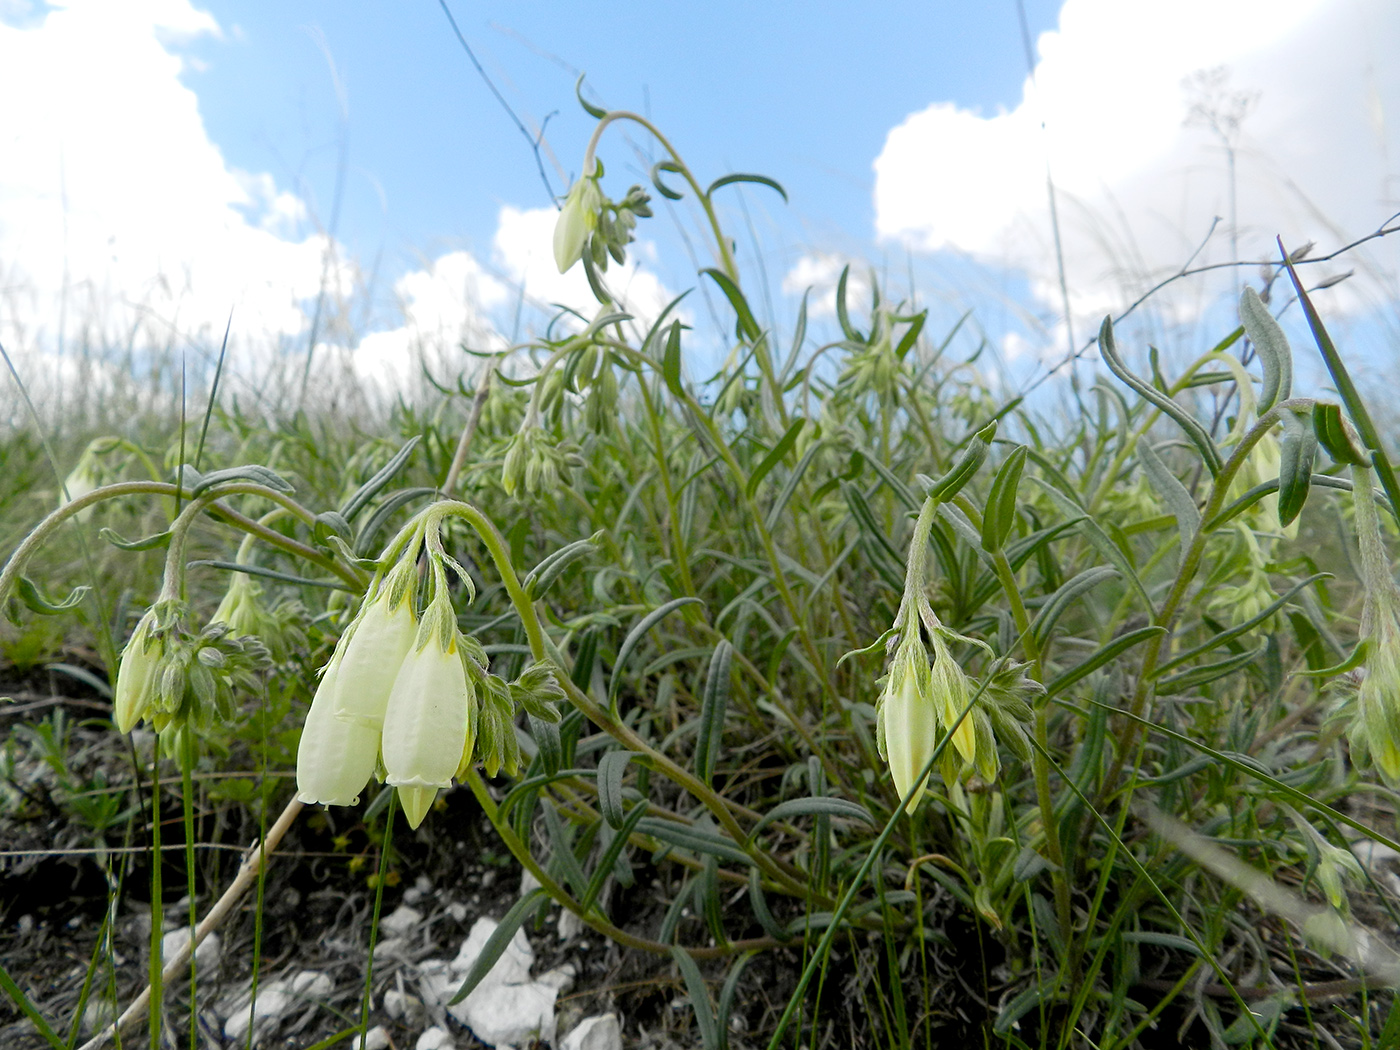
[(427, 726), (907, 722), (577, 221), (138, 674), (335, 757)]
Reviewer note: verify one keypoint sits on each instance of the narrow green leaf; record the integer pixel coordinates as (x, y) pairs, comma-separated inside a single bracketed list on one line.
[(613, 862), (537, 582), (1107, 653), (148, 543), (1000, 515), (726, 996), (910, 337), (1275, 355), (745, 326), (671, 362), (1230, 635), (635, 635), (611, 768), (694, 839), (1341, 443), (712, 710), (562, 854), (758, 901), (596, 112), (667, 166), (775, 512), (1356, 407), (1297, 454), (351, 508), (1204, 675), (1173, 493), (1068, 592), (814, 806), (967, 465), (500, 939), (28, 592), (699, 997), (382, 513), (842, 313), (548, 742), (774, 457), (761, 180), (1108, 350), (248, 569), (253, 472)]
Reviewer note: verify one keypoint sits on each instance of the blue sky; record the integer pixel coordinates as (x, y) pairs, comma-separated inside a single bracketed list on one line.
[(176, 159), (805, 92)]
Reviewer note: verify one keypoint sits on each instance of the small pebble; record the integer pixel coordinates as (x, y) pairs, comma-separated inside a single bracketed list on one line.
[(377, 1038), (434, 1039)]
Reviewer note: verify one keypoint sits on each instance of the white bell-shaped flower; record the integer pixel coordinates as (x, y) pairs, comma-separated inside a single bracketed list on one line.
[(428, 722), (336, 756), (378, 642)]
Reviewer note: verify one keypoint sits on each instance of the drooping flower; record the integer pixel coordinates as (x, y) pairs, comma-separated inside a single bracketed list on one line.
[(336, 756), (138, 674), (428, 724), (376, 645), (577, 221)]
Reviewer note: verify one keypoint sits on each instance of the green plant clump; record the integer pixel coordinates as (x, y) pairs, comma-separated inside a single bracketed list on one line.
[(1031, 733)]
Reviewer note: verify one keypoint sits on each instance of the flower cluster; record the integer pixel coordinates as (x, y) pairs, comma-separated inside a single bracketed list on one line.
[(591, 226), (408, 696), (927, 695), (179, 679)]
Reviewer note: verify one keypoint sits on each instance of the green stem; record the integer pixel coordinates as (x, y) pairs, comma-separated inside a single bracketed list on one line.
[(590, 166), (540, 650)]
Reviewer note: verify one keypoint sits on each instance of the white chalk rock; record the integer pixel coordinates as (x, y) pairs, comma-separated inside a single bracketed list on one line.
[(509, 1013), (206, 956), (513, 967), (377, 1038), (507, 1006), (401, 922), (311, 984), (570, 925), (561, 978), (595, 1033), (274, 1001), (434, 1039), (528, 881)]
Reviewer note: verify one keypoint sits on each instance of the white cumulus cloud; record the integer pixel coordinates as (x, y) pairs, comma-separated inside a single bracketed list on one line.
[(1315, 86), (116, 209)]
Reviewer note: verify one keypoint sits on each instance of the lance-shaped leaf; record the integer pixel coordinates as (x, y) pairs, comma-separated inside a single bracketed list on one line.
[(635, 635), (1061, 600), (951, 483), (499, 940), (366, 492), (1173, 493), (1108, 350), (1336, 435), (611, 768), (712, 709), (1297, 453), (1000, 515), (1271, 344)]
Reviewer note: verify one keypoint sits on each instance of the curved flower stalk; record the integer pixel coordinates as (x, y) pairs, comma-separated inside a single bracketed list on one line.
[(928, 696), (406, 695)]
